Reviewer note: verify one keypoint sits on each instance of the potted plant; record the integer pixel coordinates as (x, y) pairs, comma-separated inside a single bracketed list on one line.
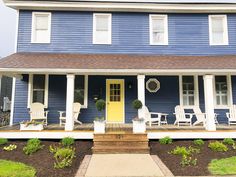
[(99, 122), (139, 125), (31, 125)]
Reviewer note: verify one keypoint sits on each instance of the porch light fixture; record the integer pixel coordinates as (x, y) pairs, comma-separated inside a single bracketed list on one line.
[(153, 85)]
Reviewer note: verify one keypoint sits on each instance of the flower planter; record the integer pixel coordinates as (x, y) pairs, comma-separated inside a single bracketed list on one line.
[(99, 126), (139, 126), (38, 127)]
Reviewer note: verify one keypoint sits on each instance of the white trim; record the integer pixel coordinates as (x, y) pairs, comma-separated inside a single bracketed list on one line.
[(34, 14), (30, 90), (109, 27), (196, 92), (122, 7), (165, 18), (123, 80), (229, 93), (13, 93), (225, 34), (17, 27)]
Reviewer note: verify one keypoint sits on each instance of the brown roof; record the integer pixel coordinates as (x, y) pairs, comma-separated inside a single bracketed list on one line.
[(114, 61)]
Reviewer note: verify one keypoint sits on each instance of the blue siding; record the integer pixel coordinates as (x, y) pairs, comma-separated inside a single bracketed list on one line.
[(72, 33)]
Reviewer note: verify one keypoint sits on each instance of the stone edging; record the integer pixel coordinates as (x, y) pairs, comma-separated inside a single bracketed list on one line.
[(83, 166)]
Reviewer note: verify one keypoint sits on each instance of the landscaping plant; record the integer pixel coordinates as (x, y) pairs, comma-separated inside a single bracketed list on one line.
[(32, 146), (67, 141), (11, 147), (165, 140), (64, 157), (100, 105), (3, 141), (218, 146), (137, 104), (228, 141), (198, 142)]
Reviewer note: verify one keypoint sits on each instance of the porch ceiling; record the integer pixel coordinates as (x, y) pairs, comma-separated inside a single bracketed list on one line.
[(20, 62)]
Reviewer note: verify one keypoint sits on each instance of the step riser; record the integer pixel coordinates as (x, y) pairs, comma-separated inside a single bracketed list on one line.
[(120, 152), (120, 137), (115, 143)]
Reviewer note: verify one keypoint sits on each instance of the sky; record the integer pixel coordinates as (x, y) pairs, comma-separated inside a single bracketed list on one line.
[(7, 30)]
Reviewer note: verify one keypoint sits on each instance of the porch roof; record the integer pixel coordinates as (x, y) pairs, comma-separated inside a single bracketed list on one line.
[(20, 62)]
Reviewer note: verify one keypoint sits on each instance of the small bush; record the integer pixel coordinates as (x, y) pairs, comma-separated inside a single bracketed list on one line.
[(32, 146), (188, 161), (11, 147), (165, 140), (137, 104), (64, 157), (180, 150), (228, 141), (67, 141), (3, 141), (198, 142), (100, 105), (218, 146)]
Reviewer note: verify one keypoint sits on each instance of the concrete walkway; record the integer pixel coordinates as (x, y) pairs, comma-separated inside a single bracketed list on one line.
[(122, 165)]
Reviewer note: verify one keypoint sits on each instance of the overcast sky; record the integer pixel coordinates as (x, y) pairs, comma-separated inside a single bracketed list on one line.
[(7, 30)]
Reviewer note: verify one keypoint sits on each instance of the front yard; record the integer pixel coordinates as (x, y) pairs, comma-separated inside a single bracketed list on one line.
[(195, 164), (43, 160)]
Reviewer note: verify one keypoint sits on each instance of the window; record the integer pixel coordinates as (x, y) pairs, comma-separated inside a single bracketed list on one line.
[(102, 28), (153, 85), (41, 27), (158, 29), (80, 90), (38, 89), (188, 91), (218, 30), (222, 94)]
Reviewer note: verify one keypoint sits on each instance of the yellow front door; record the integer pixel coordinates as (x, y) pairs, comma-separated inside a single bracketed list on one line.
[(115, 100)]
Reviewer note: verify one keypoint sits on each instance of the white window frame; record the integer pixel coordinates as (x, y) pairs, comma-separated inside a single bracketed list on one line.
[(109, 27), (166, 40), (85, 105), (225, 22), (30, 90), (34, 14), (196, 92), (229, 93)]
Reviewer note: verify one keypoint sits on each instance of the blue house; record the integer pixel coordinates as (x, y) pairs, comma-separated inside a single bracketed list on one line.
[(164, 53)]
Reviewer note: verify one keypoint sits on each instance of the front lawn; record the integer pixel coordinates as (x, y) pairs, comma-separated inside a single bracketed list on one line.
[(225, 166), (15, 169)]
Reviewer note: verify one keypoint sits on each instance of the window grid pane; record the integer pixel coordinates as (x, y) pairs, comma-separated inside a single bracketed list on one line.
[(158, 30), (38, 88), (115, 93), (79, 89), (188, 90), (221, 90)]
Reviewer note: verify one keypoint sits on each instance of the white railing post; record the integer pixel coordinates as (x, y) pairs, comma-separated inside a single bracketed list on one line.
[(69, 102), (209, 102), (141, 93)]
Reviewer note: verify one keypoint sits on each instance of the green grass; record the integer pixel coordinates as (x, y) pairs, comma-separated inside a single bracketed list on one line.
[(15, 169), (226, 166)]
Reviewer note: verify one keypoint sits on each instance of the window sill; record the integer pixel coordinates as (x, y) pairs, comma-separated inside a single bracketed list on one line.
[(221, 107)]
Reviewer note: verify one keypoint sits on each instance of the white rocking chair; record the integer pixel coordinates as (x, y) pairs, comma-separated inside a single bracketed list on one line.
[(182, 117), (37, 112), (76, 112), (231, 115), (152, 117)]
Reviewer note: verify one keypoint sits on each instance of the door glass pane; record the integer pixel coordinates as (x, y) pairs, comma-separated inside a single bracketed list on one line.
[(114, 92)]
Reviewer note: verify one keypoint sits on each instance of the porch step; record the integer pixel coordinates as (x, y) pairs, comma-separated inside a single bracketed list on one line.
[(120, 143)]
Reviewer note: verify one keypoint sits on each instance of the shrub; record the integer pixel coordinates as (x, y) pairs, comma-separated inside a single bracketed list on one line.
[(218, 146), (11, 147), (32, 146), (100, 105), (198, 142), (180, 150), (165, 140), (228, 141), (64, 157), (137, 104), (187, 161), (67, 141), (3, 141)]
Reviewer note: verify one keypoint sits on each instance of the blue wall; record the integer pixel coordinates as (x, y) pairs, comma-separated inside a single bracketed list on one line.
[(72, 32)]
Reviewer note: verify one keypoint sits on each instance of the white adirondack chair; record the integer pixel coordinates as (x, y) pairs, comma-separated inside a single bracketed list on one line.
[(37, 112), (182, 117), (152, 117), (76, 112), (201, 117), (231, 115)]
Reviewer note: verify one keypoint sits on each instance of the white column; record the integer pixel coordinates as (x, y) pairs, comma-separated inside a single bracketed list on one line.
[(69, 102), (209, 102), (13, 93), (141, 93)]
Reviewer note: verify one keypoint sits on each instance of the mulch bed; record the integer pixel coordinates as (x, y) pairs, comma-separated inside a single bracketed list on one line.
[(43, 160), (173, 161)]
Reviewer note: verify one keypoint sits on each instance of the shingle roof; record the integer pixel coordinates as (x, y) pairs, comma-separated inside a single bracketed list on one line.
[(114, 61)]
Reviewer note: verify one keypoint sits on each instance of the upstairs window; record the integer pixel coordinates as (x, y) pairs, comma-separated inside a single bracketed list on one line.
[(41, 27), (218, 30), (158, 29), (101, 28), (221, 91)]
